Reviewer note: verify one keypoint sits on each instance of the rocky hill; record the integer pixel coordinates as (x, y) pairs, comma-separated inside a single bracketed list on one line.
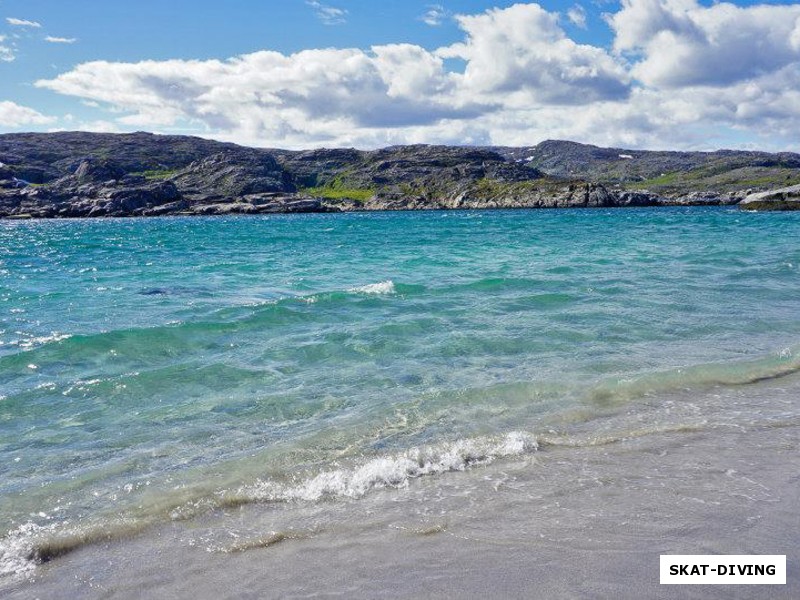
[(75, 174), (43, 157), (666, 173)]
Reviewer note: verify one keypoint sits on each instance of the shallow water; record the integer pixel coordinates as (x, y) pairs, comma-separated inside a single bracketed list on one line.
[(157, 371)]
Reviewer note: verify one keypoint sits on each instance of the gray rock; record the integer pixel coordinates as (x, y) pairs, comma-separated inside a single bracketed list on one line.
[(84, 174), (98, 171), (233, 175), (787, 198)]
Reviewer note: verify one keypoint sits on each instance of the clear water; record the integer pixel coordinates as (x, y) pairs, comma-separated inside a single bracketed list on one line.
[(155, 369)]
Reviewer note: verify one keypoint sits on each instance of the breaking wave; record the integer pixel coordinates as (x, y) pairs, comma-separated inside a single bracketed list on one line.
[(394, 471), (381, 288), (31, 544)]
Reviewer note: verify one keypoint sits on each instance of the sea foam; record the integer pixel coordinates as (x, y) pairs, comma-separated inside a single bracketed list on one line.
[(16, 550), (393, 471), (30, 544), (381, 288)]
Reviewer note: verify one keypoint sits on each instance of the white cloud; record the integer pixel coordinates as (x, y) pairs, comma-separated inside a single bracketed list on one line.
[(577, 16), (22, 23), (70, 123), (522, 55), (60, 40), (329, 15), (13, 115), (680, 74), (678, 43), (326, 96), (435, 15), (6, 52)]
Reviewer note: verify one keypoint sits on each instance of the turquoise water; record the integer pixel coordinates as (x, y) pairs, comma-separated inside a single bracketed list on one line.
[(155, 369)]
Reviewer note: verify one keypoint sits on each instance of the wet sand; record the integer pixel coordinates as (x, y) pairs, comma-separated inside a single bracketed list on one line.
[(587, 516)]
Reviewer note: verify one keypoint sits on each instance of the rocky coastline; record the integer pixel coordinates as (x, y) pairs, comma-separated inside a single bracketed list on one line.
[(76, 175)]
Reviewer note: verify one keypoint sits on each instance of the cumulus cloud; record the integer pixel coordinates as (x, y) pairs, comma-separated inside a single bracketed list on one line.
[(435, 15), (22, 23), (13, 115), (514, 57), (678, 43), (329, 15), (60, 40), (577, 16), (319, 94), (677, 74), (522, 51)]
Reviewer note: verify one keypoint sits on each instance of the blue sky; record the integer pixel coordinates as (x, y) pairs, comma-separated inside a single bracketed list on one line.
[(306, 73)]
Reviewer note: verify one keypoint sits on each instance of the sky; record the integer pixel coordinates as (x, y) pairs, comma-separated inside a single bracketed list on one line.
[(642, 74)]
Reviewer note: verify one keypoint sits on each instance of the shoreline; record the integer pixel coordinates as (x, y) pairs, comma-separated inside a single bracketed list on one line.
[(292, 398), (78, 174), (568, 519), (433, 209)]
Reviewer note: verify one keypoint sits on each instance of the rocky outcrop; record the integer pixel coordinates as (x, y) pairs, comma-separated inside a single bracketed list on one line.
[(96, 189), (98, 171), (227, 175), (45, 157), (706, 198), (83, 174), (678, 172), (137, 197), (519, 195), (312, 168), (782, 199), (262, 204), (91, 200)]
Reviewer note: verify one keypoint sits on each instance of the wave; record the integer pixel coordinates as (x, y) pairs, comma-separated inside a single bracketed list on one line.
[(36, 341), (547, 441), (394, 471), (272, 312), (704, 376), (178, 336), (381, 288), (30, 544), (497, 284)]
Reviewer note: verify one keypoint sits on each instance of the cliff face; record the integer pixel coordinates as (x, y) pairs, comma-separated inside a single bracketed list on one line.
[(140, 174)]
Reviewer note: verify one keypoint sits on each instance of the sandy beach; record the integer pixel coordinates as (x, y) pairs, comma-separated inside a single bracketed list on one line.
[(585, 516), (399, 300)]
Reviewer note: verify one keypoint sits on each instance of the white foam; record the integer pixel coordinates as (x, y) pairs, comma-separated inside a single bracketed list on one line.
[(397, 470), (33, 342), (384, 287), (16, 549)]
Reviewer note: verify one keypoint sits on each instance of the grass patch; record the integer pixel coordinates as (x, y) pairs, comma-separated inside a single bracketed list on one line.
[(152, 174), (340, 193), (492, 189), (730, 180), (769, 181)]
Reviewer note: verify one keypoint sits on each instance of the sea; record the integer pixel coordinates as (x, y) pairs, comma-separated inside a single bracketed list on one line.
[(200, 389)]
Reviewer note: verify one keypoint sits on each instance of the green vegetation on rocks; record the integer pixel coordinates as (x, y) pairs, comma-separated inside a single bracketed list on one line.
[(75, 174), (340, 193), (153, 174)]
